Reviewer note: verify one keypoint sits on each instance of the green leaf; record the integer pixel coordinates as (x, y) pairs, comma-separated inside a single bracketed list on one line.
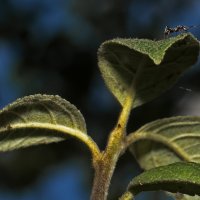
[(144, 68), (167, 141), (40, 119), (179, 196), (177, 177)]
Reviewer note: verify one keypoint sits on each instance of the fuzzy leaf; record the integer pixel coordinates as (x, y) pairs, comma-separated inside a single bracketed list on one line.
[(145, 67), (179, 196), (183, 177), (167, 141), (39, 119)]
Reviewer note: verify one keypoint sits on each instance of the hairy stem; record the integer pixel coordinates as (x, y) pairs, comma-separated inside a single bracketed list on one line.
[(104, 167), (101, 181)]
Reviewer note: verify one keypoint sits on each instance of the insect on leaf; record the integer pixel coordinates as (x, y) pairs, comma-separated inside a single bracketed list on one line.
[(145, 67)]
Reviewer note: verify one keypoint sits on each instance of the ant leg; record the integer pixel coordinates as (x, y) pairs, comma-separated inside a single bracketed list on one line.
[(166, 35)]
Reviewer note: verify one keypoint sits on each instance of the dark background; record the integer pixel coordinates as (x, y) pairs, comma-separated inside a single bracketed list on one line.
[(49, 46)]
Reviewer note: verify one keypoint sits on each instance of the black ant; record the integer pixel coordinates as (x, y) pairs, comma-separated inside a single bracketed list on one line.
[(179, 28)]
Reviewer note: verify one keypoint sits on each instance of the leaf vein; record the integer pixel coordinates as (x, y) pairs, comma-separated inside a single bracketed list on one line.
[(184, 136)]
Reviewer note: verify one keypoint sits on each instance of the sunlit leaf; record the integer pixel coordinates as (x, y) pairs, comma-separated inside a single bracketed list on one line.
[(145, 67)]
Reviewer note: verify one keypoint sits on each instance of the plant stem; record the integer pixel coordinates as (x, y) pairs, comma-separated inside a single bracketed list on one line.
[(104, 167), (103, 174)]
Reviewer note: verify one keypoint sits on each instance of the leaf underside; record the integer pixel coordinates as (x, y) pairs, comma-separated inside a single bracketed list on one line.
[(38, 119), (162, 62), (177, 177), (167, 141)]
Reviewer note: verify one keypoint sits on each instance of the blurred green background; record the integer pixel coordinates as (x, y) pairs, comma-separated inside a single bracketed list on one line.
[(49, 46)]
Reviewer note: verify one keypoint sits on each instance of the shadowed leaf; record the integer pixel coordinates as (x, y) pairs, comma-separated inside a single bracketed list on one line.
[(167, 141), (39, 119), (177, 177), (145, 67)]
